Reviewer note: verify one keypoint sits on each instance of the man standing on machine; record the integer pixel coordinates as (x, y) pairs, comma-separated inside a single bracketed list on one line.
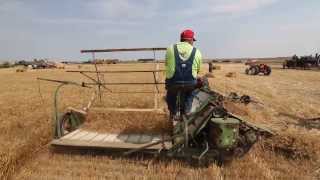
[(183, 62)]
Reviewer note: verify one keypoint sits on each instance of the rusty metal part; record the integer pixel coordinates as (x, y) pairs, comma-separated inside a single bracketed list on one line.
[(123, 50)]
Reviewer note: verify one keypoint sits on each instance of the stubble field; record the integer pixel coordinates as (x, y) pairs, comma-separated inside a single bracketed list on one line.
[(286, 101)]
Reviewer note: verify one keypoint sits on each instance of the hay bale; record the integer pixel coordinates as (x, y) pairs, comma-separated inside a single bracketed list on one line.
[(21, 70), (231, 74)]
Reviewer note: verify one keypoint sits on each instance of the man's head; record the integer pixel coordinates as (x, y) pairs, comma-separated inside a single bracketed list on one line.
[(187, 36)]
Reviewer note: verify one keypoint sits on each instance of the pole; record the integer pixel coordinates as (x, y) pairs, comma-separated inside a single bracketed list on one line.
[(98, 78), (155, 76)]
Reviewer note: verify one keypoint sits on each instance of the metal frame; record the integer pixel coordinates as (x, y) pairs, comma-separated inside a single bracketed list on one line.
[(57, 128), (97, 81)]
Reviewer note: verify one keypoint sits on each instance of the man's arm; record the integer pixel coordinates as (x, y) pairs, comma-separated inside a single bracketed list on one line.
[(198, 61), (169, 62)]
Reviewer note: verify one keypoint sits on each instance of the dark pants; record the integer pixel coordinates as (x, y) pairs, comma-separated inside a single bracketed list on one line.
[(186, 98)]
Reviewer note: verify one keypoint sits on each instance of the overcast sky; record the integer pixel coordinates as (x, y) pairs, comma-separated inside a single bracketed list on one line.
[(224, 28)]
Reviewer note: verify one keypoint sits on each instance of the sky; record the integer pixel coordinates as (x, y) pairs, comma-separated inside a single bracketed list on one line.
[(224, 28)]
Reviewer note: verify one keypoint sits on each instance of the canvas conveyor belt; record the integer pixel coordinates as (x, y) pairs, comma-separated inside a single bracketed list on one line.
[(94, 140)]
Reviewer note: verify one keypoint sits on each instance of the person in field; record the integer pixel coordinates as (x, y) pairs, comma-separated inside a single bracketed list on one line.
[(182, 65)]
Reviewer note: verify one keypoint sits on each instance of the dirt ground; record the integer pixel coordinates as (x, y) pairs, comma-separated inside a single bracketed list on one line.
[(284, 102)]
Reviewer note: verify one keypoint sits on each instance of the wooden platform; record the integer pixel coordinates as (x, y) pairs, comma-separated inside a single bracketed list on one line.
[(82, 138)]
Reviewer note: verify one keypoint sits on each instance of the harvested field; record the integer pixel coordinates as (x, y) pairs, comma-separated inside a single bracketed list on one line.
[(127, 122), (284, 99)]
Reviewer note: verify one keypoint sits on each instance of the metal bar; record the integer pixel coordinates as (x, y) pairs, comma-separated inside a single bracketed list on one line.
[(118, 71), (156, 76), (64, 82), (135, 92), (58, 131), (160, 111), (150, 145), (93, 97), (89, 77), (155, 81), (125, 83), (98, 78), (123, 50), (95, 81), (53, 80)]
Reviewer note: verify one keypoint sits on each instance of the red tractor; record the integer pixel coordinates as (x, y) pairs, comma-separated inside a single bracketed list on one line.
[(255, 69)]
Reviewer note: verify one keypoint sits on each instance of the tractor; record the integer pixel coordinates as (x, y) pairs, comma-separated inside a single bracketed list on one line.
[(255, 69)]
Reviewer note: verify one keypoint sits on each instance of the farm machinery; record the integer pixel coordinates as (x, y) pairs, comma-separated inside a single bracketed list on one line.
[(255, 69), (303, 62), (208, 133), (37, 64)]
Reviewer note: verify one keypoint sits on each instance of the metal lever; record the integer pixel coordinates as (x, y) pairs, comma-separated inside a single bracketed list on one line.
[(204, 152)]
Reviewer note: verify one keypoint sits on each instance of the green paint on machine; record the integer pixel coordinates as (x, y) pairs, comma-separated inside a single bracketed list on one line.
[(226, 131)]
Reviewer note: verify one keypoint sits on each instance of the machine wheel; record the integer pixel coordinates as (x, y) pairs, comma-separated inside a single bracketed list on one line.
[(252, 70), (66, 123), (256, 70), (268, 71), (247, 71)]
